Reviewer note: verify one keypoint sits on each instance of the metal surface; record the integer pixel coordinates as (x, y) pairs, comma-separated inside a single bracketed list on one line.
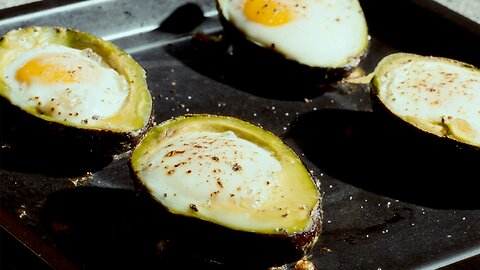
[(381, 211)]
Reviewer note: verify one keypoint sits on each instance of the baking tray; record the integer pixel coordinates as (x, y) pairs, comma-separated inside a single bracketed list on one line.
[(387, 206)]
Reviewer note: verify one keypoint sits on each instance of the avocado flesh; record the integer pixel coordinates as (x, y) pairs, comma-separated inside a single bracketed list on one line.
[(135, 113), (437, 95), (339, 43), (227, 172)]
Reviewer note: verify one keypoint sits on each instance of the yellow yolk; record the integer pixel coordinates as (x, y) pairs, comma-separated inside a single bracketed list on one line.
[(267, 12), (55, 68), (66, 84)]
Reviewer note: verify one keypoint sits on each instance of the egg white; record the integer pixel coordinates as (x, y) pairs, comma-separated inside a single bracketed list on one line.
[(434, 92), (97, 94), (323, 33), (226, 178)]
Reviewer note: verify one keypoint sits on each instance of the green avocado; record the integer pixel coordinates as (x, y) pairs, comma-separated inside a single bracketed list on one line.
[(231, 187), (71, 90), (434, 95)]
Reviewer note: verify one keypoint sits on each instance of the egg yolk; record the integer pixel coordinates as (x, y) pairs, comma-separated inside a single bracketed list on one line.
[(267, 12), (55, 68)]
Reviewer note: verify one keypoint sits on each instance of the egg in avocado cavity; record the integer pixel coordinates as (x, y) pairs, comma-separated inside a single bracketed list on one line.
[(228, 190), (319, 40), (431, 96), (67, 94)]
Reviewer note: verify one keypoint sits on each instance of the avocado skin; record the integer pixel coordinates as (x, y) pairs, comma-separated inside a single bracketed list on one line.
[(280, 66), (208, 242), (34, 144), (426, 141)]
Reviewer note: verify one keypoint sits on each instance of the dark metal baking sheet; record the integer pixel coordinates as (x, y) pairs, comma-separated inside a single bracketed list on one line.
[(381, 211)]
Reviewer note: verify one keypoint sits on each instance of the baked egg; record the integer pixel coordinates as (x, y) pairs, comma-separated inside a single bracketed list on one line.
[(64, 83), (75, 79), (73, 90), (229, 185), (434, 94), (316, 33)]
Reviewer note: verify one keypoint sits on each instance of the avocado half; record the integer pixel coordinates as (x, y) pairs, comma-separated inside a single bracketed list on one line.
[(434, 96), (231, 191), (30, 126), (324, 43)]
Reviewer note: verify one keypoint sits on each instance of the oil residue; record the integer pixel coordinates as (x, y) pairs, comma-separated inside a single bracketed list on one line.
[(304, 264), (80, 181)]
